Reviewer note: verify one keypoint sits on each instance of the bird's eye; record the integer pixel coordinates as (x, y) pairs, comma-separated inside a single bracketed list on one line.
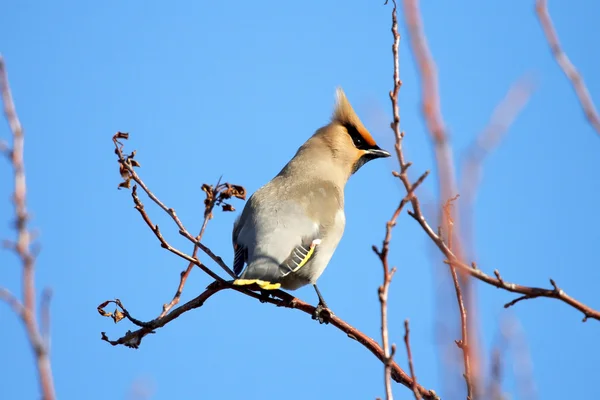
[(357, 138)]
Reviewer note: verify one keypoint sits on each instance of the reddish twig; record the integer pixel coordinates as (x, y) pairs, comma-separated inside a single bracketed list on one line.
[(587, 104), (463, 343), (430, 104), (410, 359), (411, 187), (280, 299), (527, 292), (26, 309), (212, 198), (139, 206), (435, 125), (445, 167), (127, 165), (388, 352), (432, 115), (182, 280)]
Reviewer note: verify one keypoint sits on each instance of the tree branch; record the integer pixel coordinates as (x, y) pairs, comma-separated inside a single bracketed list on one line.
[(410, 359), (463, 343), (126, 167), (472, 270), (541, 9), (26, 310)]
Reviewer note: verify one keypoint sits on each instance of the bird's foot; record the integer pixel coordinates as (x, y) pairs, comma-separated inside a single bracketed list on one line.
[(322, 314), (264, 296)]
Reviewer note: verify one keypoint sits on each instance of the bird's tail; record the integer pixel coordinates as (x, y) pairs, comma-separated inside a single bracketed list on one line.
[(265, 285), (264, 272), (267, 274)]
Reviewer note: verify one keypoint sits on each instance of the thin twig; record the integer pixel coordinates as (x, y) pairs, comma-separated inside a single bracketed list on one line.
[(14, 303), (587, 104), (280, 299), (435, 125), (410, 189), (430, 104), (185, 273), (388, 352), (432, 115), (22, 247), (410, 360), (463, 343), (384, 288), (139, 206), (128, 165)]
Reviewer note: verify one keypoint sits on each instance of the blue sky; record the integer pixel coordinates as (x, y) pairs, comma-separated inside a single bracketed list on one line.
[(233, 88)]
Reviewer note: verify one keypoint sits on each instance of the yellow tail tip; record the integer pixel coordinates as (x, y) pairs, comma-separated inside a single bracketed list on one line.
[(262, 284)]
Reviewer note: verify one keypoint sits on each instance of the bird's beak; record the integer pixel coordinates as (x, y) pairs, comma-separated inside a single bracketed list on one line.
[(377, 153)]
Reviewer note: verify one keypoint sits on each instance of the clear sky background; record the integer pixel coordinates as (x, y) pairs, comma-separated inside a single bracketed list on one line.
[(233, 88)]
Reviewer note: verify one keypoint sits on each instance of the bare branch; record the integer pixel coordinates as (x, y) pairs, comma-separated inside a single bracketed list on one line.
[(214, 196), (383, 254), (410, 359), (280, 299), (14, 303), (451, 256), (26, 309), (445, 166), (128, 173), (139, 206), (541, 9), (463, 343), (431, 99), (388, 352)]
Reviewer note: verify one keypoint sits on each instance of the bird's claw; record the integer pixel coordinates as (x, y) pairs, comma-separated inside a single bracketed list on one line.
[(264, 296), (322, 314)]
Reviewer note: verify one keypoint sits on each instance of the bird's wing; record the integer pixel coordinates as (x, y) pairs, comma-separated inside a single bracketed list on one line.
[(240, 251), (240, 258), (301, 254)]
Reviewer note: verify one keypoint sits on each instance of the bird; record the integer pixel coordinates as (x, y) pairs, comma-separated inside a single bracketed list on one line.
[(290, 227)]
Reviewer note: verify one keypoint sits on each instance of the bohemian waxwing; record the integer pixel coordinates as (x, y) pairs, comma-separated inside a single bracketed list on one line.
[(291, 226)]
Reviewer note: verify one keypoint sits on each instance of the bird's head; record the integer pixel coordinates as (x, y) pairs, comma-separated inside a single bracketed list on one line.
[(338, 149), (347, 140)]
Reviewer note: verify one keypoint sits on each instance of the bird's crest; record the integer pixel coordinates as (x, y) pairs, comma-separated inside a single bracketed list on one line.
[(345, 115)]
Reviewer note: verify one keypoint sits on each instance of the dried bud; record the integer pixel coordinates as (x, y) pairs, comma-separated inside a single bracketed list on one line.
[(126, 184), (121, 135), (228, 207), (118, 315)]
